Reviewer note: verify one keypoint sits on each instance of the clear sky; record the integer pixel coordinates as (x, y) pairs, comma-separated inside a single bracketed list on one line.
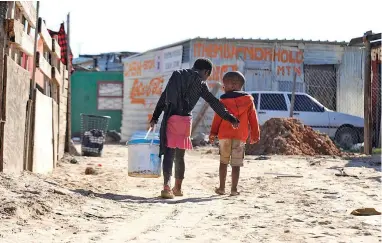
[(129, 25)]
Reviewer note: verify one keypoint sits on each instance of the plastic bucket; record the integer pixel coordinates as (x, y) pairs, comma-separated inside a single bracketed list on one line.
[(143, 155)]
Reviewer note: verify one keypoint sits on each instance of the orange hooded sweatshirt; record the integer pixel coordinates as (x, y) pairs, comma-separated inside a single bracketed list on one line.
[(239, 104)]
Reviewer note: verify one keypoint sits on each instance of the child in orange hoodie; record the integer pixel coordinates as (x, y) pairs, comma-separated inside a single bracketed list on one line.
[(232, 141)]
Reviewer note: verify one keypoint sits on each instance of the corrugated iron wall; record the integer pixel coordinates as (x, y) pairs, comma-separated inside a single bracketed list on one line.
[(350, 87), (145, 78), (317, 54), (266, 66)]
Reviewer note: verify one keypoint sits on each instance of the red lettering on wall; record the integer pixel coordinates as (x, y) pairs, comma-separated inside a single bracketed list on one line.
[(149, 64), (231, 51), (219, 71), (288, 70), (140, 91), (135, 68)]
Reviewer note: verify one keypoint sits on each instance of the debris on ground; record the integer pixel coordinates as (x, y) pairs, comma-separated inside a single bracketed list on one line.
[(209, 151), (288, 136), (344, 174), (280, 175), (90, 171), (199, 140), (365, 212), (262, 157), (113, 136)]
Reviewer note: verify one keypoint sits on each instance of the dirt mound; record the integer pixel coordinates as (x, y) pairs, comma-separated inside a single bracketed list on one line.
[(30, 196), (288, 136)]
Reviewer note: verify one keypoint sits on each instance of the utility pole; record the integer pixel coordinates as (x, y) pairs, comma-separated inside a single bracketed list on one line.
[(293, 97), (69, 104), (368, 123)]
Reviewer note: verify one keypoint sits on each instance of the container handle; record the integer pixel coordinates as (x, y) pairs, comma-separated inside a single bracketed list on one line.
[(147, 134), (152, 140)]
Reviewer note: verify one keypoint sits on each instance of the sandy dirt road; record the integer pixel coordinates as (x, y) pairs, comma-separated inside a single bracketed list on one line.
[(69, 206)]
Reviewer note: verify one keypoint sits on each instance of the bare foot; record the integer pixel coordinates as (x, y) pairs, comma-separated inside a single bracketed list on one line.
[(219, 191), (234, 193)]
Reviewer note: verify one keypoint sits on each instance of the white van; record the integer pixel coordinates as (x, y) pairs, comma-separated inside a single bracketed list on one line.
[(346, 130)]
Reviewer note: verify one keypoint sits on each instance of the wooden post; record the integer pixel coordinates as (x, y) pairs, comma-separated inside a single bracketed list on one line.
[(367, 96), (68, 111), (29, 133), (293, 95)]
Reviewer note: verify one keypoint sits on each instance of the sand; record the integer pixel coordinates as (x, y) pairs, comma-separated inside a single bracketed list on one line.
[(69, 206)]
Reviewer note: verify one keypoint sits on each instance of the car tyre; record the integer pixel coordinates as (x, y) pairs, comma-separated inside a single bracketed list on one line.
[(346, 137)]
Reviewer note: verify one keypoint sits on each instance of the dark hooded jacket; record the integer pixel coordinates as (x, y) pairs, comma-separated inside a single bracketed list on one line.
[(182, 92)]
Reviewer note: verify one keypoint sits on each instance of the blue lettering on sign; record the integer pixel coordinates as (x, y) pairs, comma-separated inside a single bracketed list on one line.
[(155, 163)]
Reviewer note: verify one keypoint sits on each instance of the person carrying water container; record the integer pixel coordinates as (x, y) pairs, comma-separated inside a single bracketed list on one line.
[(184, 89)]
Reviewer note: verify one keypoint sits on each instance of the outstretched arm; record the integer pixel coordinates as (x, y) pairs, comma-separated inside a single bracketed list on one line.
[(217, 106), (254, 124)]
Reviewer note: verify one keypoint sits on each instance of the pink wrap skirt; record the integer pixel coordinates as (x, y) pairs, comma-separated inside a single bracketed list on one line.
[(179, 132)]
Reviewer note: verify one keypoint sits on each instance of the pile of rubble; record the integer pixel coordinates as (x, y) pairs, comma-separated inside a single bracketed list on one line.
[(288, 136)]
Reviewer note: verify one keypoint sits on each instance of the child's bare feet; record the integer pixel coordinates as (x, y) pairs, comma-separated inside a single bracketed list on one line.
[(234, 193), (220, 191)]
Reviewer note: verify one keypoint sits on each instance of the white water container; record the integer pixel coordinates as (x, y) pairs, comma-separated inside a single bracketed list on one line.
[(143, 155)]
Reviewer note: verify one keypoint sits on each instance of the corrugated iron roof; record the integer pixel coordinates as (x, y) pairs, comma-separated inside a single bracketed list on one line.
[(340, 43), (157, 49), (80, 60)]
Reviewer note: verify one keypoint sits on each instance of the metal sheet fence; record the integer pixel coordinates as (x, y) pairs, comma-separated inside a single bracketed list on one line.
[(376, 109)]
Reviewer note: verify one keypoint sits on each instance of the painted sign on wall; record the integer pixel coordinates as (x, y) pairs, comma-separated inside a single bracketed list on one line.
[(171, 59), (218, 72), (141, 67), (287, 60), (152, 64), (141, 97), (146, 88)]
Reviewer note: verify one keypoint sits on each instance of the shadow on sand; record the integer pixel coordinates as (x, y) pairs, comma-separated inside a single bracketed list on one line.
[(373, 162), (147, 200)]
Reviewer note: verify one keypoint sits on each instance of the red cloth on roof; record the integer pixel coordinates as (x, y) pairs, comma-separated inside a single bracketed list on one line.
[(62, 42)]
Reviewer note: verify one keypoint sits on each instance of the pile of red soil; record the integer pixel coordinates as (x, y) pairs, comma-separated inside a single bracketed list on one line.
[(288, 136)]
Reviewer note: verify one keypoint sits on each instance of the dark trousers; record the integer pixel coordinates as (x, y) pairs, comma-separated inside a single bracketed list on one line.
[(170, 155)]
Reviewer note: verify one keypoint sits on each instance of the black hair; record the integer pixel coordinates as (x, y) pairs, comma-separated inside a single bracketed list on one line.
[(235, 76), (203, 64)]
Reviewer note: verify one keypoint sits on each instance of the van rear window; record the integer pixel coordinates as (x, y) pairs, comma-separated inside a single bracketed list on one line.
[(275, 102), (256, 99)]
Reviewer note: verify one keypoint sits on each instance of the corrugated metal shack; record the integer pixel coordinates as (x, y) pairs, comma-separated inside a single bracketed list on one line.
[(376, 76), (332, 72)]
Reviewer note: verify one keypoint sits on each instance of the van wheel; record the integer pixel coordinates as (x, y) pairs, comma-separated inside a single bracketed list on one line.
[(346, 137)]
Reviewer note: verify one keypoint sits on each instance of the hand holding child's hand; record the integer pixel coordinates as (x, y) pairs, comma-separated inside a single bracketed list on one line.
[(211, 138), (235, 125)]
